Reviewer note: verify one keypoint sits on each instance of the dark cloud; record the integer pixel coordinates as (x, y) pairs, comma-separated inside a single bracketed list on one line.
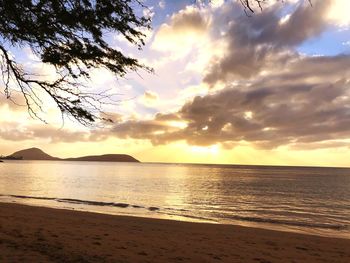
[(263, 42), (308, 103)]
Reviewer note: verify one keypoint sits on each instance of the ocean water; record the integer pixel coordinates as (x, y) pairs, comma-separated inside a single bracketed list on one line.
[(300, 199)]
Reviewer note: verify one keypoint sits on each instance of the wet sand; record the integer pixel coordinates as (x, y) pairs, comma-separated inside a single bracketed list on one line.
[(37, 234)]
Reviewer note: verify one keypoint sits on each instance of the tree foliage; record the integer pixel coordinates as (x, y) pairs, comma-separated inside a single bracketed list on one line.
[(68, 34)]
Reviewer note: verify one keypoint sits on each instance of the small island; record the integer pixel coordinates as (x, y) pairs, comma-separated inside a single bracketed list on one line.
[(10, 157), (38, 154)]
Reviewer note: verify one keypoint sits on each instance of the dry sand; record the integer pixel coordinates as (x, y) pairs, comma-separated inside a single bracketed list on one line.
[(36, 234)]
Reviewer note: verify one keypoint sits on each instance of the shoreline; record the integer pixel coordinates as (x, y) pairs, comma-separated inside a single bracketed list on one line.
[(44, 234), (322, 232), (183, 218)]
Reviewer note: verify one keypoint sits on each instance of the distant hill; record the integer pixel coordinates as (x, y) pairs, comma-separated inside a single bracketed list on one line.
[(38, 154), (33, 154)]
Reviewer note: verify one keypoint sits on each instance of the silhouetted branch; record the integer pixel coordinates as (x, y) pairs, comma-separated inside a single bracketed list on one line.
[(68, 95), (69, 35)]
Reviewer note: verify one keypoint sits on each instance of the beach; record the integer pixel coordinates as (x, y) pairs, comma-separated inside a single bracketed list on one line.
[(39, 234)]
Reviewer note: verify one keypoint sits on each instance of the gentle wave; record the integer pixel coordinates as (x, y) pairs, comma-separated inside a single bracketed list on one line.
[(83, 202), (267, 220), (184, 213), (288, 223)]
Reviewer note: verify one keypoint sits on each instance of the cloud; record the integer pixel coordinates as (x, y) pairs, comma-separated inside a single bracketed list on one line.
[(216, 3), (15, 131), (184, 30), (148, 12), (16, 102), (161, 4), (149, 98), (272, 96), (283, 113), (338, 13), (189, 19), (263, 42)]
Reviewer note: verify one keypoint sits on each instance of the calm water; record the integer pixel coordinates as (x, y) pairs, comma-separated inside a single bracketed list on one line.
[(309, 200)]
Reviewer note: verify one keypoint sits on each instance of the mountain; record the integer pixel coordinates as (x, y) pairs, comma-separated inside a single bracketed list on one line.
[(105, 158), (34, 154), (37, 154)]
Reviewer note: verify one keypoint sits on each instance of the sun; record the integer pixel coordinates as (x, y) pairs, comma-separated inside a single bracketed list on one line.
[(212, 149)]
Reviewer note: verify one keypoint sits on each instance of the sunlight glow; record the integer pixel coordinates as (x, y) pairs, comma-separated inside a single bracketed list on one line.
[(213, 149), (177, 124), (248, 115), (339, 12)]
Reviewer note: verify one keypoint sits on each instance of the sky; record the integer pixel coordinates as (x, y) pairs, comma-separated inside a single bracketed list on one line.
[(268, 88)]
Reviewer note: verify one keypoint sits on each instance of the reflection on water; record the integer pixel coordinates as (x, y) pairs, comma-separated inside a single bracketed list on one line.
[(311, 200)]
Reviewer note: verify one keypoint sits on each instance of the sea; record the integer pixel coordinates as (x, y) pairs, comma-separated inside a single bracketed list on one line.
[(309, 200)]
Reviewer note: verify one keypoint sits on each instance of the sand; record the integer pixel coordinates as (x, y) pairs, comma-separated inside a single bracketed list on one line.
[(37, 234)]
